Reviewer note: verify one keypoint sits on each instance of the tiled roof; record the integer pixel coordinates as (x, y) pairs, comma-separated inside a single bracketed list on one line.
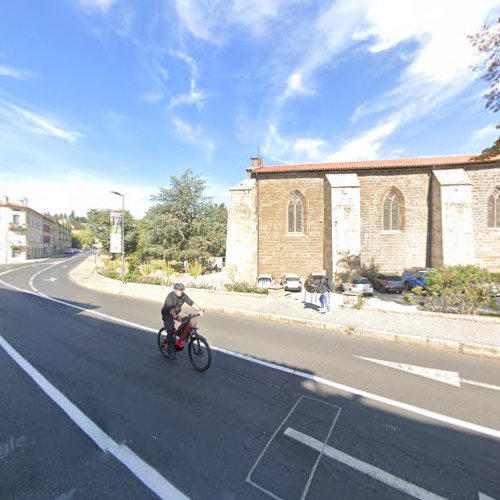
[(437, 161)]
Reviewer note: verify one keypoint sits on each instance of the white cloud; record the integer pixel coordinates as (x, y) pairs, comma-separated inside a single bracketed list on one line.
[(62, 191), (207, 19), (437, 58), (152, 96), (195, 96), (17, 74), (490, 132), (193, 134), (35, 123), (96, 6)]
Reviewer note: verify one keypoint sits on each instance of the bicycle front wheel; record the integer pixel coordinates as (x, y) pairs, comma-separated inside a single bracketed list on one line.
[(200, 354)]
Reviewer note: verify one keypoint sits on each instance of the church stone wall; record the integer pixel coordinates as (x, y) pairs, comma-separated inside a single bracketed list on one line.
[(282, 252), (241, 250), (486, 240), (393, 251)]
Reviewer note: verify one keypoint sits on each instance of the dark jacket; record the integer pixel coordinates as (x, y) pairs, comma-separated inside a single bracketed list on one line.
[(325, 284), (173, 305)]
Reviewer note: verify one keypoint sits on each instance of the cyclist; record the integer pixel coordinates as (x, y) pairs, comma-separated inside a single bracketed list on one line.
[(171, 311)]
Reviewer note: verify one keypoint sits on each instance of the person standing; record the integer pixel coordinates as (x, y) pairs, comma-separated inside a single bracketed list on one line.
[(325, 286)]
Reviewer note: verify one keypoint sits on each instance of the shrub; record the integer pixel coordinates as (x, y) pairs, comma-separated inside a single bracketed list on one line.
[(459, 289), (196, 269), (147, 269), (156, 264), (408, 299), (152, 280), (243, 287), (132, 276), (108, 273), (360, 302)]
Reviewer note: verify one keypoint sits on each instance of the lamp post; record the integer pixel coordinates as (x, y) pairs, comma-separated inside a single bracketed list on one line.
[(123, 233)]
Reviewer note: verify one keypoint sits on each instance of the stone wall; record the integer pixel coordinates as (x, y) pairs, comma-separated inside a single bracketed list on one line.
[(280, 251), (393, 251), (241, 251), (486, 240)]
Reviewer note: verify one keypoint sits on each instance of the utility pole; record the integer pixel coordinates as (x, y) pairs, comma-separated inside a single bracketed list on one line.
[(123, 233)]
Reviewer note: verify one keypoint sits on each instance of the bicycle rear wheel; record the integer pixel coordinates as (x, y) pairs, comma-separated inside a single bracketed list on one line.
[(199, 352), (162, 341)]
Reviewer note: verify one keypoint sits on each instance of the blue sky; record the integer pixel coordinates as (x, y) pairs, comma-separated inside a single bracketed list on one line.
[(119, 94)]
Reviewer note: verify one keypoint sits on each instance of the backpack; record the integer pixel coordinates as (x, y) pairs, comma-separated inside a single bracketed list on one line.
[(311, 283)]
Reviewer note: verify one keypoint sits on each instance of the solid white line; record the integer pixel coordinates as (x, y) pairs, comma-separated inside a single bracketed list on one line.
[(484, 496), (480, 384), (368, 469), (313, 471), (143, 471), (455, 422)]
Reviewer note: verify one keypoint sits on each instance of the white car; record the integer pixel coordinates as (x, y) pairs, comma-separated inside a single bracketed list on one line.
[(292, 282), (359, 285), (264, 281)]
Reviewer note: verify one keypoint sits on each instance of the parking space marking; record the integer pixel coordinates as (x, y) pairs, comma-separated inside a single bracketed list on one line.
[(363, 467), (249, 480)]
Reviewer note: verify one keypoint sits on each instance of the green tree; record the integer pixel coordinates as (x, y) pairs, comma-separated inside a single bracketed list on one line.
[(99, 227), (487, 41), (185, 223), (83, 239)]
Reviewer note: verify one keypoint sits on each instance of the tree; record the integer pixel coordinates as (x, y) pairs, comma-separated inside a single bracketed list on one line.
[(185, 223), (99, 227), (487, 41)]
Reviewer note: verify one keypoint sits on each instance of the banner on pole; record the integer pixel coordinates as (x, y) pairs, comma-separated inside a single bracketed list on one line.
[(115, 236)]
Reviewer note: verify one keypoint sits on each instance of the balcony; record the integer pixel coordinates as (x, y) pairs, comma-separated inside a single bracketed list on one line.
[(17, 226)]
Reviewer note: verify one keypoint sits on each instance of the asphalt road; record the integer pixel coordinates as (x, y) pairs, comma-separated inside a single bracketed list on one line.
[(90, 409)]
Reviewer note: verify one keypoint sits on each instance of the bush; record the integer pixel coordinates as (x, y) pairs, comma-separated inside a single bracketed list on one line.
[(360, 302), (147, 269), (459, 289), (243, 287), (152, 280), (133, 277), (196, 269), (408, 299), (108, 273)]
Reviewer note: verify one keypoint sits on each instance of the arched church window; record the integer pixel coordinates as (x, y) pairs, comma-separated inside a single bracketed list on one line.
[(392, 212), (494, 209), (295, 214)]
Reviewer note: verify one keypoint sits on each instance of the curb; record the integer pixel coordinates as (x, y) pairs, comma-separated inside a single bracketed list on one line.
[(443, 345)]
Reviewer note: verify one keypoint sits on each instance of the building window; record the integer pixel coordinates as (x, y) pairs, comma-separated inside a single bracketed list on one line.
[(494, 209), (16, 219), (392, 212), (295, 212)]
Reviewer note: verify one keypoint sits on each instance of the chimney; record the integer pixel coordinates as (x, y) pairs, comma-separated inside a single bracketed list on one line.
[(4, 199), (256, 163), (24, 202)]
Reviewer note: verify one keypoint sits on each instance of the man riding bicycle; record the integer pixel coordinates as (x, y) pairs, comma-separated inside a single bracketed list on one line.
[(171, 311)]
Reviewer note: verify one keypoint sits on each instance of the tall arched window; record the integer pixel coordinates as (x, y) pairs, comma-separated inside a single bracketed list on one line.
[(295, 212), (392, 212), (494, 209)]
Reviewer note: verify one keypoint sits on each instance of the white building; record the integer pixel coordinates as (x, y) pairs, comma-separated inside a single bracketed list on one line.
[(27, 234)]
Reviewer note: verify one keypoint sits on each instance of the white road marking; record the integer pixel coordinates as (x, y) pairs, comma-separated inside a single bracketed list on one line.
[(480, 384), (143, 471), (363, 467), (50, 279), (444, 376), (484, 496), (439, 417)]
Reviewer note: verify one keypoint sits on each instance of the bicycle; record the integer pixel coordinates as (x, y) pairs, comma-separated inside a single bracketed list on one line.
[(199, 350)]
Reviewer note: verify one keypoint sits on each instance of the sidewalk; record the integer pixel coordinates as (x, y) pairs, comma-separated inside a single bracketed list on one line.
[(476, 335)]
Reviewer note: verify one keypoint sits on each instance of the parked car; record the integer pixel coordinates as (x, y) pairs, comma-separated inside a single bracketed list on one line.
[(412, 278), (292, 282), (359, 285), (387, 283), (264, 281)]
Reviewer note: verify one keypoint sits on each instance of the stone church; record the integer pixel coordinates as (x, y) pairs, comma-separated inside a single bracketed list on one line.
[(349, 217)]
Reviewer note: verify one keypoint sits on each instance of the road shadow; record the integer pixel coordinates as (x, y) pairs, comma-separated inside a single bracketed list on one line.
[(230, 422)]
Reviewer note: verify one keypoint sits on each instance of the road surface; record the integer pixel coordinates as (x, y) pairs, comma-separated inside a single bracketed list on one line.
[(90, 409)]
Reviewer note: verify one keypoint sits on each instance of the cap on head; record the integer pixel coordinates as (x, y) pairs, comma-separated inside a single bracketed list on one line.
[(179, 286)]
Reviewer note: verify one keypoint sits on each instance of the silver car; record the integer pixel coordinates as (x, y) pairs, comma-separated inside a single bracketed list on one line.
[(359, 285)]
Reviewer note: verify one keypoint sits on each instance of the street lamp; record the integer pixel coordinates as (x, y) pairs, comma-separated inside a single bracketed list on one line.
[(123, 233)]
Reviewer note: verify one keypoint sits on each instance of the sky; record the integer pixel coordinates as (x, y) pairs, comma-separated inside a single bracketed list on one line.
[(101, 95)]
